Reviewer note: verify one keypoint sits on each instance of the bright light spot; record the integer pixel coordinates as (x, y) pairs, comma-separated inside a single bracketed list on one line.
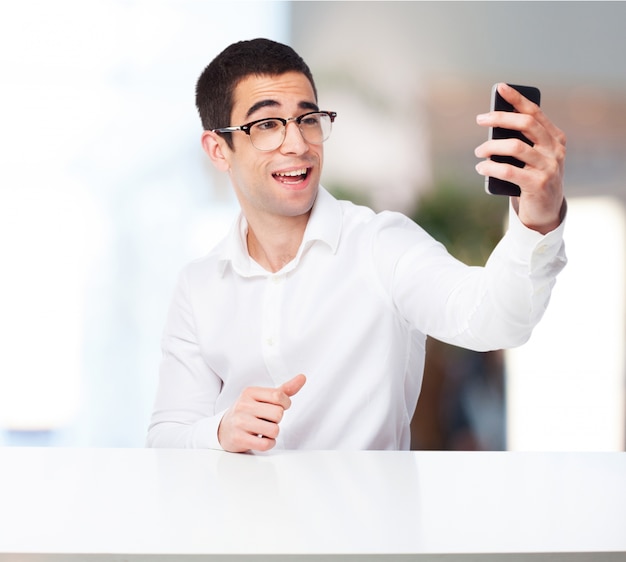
[(565, 387), (104, 195)]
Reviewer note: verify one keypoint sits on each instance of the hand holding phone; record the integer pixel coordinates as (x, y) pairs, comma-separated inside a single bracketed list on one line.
[(496, 186)]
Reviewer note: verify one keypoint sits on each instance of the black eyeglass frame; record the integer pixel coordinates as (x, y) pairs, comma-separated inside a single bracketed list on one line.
[(248, 126)]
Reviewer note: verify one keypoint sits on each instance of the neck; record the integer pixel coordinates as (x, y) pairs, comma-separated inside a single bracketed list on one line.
[(274, 246)]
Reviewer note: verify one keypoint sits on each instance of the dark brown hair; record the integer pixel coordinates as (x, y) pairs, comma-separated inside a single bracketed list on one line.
[(217, 83)]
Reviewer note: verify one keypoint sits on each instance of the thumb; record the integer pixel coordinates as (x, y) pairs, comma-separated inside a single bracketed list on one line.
[(294, 385)]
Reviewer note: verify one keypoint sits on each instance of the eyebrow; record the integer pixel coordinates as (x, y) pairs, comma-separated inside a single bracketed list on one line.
[(273, 103)]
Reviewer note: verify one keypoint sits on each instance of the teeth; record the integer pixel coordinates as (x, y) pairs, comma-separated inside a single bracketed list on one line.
[(292, 173)]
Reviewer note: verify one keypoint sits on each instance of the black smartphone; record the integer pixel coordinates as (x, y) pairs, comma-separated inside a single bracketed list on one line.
[(497, 186)]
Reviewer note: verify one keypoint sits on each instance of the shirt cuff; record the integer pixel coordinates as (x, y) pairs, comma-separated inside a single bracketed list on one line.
[(205, 433), (535, 256), (525, 238)]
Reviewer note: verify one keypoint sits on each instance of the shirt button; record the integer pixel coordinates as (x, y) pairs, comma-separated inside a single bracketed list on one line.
[(277, 279), (269, 341), (542, 249)]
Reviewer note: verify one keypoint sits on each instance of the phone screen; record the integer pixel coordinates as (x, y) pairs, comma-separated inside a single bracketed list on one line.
[(497, 186)]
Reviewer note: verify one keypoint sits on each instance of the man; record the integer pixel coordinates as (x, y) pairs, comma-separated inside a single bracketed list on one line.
[(321, 307)]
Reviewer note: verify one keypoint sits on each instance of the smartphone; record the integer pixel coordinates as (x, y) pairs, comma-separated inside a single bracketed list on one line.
[(497, 186)]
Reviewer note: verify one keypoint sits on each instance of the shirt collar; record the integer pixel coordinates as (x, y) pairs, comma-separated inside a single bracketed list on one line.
[(324, 226)]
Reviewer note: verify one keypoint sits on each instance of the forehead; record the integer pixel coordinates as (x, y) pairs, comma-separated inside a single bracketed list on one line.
[(287, 91)]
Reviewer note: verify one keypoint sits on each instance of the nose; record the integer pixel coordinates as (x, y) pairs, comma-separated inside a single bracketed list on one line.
[(294, 142)]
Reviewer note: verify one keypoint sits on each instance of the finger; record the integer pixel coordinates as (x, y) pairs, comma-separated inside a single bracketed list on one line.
[(510, 119), (523, 105), (519, 101), (294, 385), (513, 174), (251, 442), (264, 428), (261, 443), (267, 395), (270, 412), (525, 123), (260, 403), (505, 147)]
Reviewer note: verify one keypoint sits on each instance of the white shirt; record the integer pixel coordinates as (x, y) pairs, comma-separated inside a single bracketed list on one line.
[(351, 312)]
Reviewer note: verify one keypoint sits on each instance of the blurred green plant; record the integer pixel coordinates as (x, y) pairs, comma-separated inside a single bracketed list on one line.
[(465, 219), (347, 193)]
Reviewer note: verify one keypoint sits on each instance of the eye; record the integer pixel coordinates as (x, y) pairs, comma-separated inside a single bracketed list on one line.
[(268, 125), (311, 120)]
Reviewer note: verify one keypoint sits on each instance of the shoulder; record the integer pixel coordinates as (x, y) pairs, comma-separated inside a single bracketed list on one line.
[(380, 241), (362, 221), (210, 266)]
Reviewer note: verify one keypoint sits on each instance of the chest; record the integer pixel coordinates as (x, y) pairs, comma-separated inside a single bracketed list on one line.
[(291, 322)]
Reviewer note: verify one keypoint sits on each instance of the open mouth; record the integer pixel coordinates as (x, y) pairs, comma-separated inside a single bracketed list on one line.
[(293, 176)]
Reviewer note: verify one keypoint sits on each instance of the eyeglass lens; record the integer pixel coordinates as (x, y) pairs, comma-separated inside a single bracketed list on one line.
[(270, 133)]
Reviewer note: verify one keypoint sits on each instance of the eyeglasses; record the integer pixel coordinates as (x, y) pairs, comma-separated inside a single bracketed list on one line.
[(269, 134)]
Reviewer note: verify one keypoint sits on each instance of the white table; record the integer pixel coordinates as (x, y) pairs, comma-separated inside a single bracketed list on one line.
[(172, 505)]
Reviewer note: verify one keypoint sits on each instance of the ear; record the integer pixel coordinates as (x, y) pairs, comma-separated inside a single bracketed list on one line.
[(216, 149)]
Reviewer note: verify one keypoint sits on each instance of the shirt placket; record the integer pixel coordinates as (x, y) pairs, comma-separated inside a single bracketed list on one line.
[(271, 328)]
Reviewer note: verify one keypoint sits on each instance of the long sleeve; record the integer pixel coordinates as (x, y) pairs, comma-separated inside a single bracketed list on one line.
[(481, 308), (187, 388)]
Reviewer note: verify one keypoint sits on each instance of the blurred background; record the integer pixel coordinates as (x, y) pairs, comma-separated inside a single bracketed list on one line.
[(105, 194)]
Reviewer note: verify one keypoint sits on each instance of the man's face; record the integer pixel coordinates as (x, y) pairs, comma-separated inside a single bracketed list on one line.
[(282, 182)]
